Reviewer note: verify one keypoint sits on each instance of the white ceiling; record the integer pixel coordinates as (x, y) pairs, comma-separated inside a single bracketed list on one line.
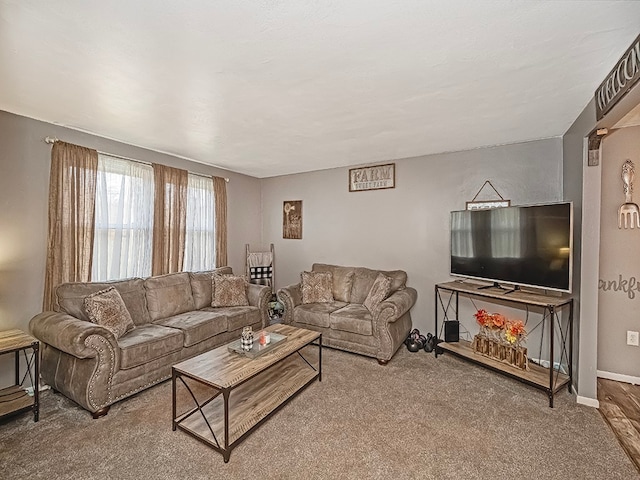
[(267, 87)]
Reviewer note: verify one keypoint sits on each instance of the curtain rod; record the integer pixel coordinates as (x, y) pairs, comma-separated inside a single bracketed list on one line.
[(52, 140)]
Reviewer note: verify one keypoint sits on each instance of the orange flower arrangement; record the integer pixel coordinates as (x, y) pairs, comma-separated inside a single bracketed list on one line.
[(483, 318), (499, 321), (514, 331), (490, 320)]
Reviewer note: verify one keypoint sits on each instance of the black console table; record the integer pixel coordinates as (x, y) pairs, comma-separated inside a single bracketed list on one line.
[(550, 380)]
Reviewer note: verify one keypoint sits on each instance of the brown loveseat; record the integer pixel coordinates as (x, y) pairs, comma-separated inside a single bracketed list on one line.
[(344, 321), (173, 321)]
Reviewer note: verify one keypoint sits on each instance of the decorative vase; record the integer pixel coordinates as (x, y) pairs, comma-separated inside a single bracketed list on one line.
[(246, 339)]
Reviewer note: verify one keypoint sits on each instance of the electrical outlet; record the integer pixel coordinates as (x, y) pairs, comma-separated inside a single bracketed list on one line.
[(632, 338)]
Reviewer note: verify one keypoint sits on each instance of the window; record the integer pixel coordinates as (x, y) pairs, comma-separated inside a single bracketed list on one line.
[(123, 219), (123, 241), (199, 249)]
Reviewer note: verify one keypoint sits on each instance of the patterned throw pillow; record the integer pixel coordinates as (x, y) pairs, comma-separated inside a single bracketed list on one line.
[(379, 291), (106, 308), (317, 287), (229, 291)]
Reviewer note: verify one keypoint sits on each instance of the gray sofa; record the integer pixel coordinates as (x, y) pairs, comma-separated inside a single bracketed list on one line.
[(345, 322), (173, 321)]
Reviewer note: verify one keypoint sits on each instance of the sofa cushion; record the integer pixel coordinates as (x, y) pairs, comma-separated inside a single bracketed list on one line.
[(379, 291), (317, 287), (146, 343), (342, 280), (364, 278), (106, 308), (168, 295), (352, 318), (197, 325), (238, 317), (316, 313), (201, 286), (70, 298), (229, 291)]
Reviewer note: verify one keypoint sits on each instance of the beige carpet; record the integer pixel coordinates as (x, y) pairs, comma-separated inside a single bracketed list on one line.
[(417, 417)]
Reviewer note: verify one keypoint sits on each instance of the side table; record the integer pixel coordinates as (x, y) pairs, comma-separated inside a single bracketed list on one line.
[(15, 399)]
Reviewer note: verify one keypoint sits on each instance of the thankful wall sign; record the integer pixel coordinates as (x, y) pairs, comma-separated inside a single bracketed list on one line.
[(630, 286)]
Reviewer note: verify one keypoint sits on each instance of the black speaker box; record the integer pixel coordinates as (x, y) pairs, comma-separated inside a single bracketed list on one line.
[(451, 331)]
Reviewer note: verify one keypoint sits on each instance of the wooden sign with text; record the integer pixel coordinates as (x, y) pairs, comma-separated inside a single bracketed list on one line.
[(375, 177), (619, 80)]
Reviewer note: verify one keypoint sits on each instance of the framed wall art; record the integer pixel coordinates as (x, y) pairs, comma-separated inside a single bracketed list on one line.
[(475, 204), (292, 219)]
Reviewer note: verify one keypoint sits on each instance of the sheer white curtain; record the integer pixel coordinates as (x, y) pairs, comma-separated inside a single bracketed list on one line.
[(199, 249), (124, 219)]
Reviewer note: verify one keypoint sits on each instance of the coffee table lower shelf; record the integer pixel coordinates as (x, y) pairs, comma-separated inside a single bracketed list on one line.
[(249, 404), (536, 376)]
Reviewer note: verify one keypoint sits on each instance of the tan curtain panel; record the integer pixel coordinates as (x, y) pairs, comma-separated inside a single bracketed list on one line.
[(72, 194), (169, 219), (220, 198)]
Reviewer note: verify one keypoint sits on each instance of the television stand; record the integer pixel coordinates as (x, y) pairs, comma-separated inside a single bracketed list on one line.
[(560, 339)]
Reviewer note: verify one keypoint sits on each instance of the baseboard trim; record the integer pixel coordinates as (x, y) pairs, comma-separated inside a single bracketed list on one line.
[(588, 401), (42, 388), (618, 377)]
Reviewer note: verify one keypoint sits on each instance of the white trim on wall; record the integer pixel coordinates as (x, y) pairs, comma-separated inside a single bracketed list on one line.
[(589, 402), (619, 377)]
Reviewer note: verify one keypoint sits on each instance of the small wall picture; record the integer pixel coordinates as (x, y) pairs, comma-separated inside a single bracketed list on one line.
[(292, 219)]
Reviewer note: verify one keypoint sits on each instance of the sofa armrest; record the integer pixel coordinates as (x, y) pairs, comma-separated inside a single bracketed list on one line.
[(69, 334), (392, 308), (259, 296), (392, 322), (291, 297), (79, 358)]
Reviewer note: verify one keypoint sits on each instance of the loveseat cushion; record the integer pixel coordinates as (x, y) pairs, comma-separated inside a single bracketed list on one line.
[(197, 325), (352, 318), (146, 343), (342, 280), (316, 313), (70, 298), (316, 287), (364, 278), (201, 285), (168, 295), (379, 291)]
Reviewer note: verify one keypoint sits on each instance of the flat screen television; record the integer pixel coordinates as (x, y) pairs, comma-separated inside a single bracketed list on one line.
[(527, 245)]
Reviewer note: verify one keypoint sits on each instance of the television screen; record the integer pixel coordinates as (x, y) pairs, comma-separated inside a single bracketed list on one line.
[(523, 246)]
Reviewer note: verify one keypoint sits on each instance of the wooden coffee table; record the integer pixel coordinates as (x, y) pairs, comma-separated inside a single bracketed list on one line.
[(241, 392)]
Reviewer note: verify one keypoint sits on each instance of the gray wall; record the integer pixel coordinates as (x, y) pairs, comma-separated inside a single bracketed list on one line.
[(618, 303), (575, 180), (407, 227), (24, 188)]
